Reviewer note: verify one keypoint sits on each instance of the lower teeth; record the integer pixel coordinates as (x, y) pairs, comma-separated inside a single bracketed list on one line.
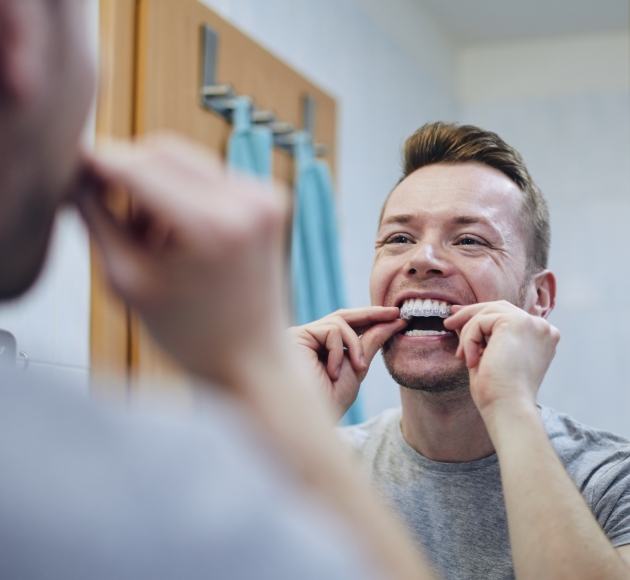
[(425, 332)]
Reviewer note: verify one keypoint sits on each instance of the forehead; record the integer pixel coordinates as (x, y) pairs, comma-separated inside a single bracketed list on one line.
[(450, 190)]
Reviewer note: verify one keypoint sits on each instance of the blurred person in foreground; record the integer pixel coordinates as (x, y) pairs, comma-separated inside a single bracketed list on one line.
[(252, 485), (492, 484)]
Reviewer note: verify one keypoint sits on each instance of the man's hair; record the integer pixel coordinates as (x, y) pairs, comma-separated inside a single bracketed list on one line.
[(450, 143)]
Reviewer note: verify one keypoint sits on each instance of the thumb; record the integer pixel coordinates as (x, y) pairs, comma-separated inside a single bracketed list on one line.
[(376, 336), (121, 259)]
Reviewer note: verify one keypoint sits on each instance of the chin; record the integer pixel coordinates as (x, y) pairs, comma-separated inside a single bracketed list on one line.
[(14, 284), (21, 263), (428, 370)]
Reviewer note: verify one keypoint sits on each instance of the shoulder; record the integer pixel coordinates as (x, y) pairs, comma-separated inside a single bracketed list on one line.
[(588, 453), (599, 463), (372, 431), (199, 483), (567, 434)]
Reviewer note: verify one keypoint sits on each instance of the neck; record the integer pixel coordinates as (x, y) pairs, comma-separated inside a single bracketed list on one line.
[(444, 426)]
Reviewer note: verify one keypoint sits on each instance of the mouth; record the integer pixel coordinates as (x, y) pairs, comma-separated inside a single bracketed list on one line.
[(425, 316)]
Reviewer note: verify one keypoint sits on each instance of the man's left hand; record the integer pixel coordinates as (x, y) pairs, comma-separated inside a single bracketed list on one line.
[(506, 350)]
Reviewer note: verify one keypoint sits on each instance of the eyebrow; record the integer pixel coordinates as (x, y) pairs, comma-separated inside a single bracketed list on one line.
[(465, 220), (459, 220), (397, 219)]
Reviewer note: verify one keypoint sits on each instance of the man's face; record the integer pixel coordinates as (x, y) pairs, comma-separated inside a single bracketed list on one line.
[(450, 233), (46, 86)]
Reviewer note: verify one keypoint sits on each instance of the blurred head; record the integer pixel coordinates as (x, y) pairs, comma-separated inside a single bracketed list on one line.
[(465, 224), (46, 87)]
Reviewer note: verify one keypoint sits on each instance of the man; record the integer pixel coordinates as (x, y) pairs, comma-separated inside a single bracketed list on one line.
[(492, 485), (251, 485)]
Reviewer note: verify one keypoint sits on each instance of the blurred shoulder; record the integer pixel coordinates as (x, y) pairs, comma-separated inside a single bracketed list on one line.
[(374, 431)]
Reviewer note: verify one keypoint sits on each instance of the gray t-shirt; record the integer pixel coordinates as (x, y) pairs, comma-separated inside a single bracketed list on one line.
[(91, 490), (456, 510)]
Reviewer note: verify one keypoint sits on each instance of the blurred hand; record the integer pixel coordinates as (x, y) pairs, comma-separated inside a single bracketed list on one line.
[(506, 350), (200, 260), (339, 348)]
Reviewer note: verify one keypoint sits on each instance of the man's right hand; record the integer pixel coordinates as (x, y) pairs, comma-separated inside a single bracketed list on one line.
[(340, 347), (201, 260)]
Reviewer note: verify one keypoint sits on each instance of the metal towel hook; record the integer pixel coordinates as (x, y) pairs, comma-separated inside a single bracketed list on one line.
[(221, 99)]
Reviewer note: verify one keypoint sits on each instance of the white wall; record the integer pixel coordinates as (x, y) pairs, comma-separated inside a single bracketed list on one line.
[(51, 322), (565, 104), (390, 69)]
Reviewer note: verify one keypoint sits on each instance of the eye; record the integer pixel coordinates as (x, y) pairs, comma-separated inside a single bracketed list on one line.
[(398, 239), (470, 241)]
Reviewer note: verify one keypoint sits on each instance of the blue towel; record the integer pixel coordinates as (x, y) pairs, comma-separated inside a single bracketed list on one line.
[(250, 147), (316, 275)]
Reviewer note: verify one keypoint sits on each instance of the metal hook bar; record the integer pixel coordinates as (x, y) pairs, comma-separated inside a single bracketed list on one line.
[(283, 134), (309, 107), (221, 99), (281, 128), (215, 91), (263, 117)]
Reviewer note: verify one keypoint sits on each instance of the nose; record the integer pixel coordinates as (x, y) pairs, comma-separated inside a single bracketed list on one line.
[(425, 261)]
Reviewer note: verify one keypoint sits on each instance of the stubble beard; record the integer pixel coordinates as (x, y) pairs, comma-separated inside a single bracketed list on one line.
[(451, 381)]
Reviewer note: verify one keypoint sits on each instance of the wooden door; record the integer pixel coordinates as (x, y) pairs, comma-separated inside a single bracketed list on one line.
[(166, 65)]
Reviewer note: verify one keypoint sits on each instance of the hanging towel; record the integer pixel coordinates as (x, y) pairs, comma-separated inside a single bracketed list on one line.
[(316, 275), (250, 147)]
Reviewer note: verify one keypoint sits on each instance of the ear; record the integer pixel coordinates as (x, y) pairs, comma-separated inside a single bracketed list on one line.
[(23, 35), (544, 285)]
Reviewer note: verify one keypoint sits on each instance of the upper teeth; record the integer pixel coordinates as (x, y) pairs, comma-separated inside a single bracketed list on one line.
[(420, 307)]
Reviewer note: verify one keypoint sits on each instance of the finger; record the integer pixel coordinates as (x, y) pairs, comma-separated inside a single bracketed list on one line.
[(320, 332), (374, 338), (334, 346), (183, 196), (189, 159), (462, 314), (150, 182), (105, 205), (358, 317), (355, 348), (555, 335), (476, 335), (107, 231), (185, 155), (472, 353), (123, 264)]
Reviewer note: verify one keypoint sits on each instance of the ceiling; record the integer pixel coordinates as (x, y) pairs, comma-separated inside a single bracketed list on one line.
[(471, 21)]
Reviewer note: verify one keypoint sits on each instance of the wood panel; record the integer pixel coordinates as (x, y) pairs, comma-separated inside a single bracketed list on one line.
[(170, 57), (109, 318), (166, 95)]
